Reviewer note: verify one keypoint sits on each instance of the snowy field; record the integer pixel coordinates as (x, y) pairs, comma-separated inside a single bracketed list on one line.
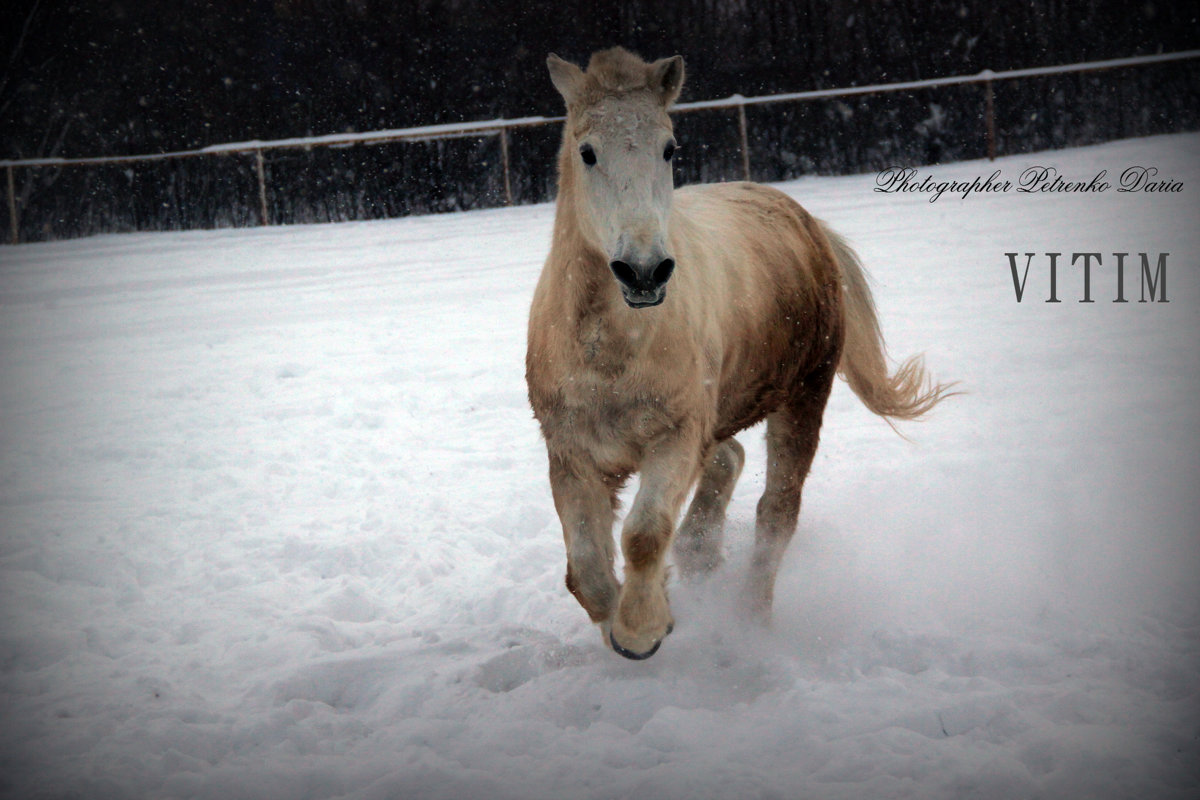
[(274, 523)]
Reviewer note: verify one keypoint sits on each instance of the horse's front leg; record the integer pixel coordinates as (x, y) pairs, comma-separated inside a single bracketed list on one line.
[(584, 500), (643, 617)]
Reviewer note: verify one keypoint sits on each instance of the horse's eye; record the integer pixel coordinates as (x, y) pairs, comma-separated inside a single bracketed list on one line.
[(669, 152), (588, 155)]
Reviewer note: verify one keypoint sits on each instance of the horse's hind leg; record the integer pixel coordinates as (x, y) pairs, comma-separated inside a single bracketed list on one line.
[(698, 541), (792, 436)]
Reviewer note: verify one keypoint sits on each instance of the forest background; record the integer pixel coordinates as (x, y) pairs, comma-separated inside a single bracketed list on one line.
[(131, 77)]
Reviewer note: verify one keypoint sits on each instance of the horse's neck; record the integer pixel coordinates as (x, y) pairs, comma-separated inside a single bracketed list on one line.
[(580, 267)]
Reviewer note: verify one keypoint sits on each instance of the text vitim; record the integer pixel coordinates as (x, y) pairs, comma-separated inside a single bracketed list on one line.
[(1153, 278)]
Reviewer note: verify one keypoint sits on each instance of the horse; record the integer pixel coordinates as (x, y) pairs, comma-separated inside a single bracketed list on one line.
[(664, 322)]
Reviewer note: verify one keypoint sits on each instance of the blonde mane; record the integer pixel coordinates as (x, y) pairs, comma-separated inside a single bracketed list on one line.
[(617, 71)]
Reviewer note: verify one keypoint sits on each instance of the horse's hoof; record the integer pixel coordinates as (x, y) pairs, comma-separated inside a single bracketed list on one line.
[(638, 656)]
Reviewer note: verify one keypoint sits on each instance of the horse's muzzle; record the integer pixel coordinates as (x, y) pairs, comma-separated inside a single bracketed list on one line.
[(646, 300), (643, 285)]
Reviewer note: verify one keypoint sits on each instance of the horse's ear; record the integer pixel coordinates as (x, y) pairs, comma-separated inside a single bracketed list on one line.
[(566, 77), (666, 78)]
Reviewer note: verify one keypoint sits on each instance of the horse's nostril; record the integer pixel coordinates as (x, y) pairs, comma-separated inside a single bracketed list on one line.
[(625, 273), (662, 273)]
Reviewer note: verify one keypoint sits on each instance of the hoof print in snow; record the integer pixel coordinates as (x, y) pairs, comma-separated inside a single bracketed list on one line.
[(289, 371), (509, 670)]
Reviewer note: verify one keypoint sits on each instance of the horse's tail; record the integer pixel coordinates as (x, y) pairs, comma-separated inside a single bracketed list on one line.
[(905, 394)]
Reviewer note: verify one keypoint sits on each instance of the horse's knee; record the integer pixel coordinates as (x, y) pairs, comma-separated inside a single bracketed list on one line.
[(643, 549), (724, 466), (596, 594), (732, 456), (645, 541), (780, 507), (721, 472)]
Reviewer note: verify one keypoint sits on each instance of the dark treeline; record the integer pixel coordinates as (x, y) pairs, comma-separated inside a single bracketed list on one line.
[(120, 77), (108, 77)]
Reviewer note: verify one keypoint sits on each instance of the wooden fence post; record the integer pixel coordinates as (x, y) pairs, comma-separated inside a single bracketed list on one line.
[(745, 141), (990, 110), (508, 200), (14, 236), (262, 187)]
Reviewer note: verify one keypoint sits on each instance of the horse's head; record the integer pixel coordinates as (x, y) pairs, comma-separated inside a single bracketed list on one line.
[(616, 159)]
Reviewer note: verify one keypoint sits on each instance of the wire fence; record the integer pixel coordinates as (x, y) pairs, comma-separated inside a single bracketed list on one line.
[(265, 196)]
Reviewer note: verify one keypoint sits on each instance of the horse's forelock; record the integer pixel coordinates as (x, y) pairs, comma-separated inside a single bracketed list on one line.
[(617, 70)]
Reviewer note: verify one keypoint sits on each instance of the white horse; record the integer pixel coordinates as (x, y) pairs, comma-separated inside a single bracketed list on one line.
[(666, 321)]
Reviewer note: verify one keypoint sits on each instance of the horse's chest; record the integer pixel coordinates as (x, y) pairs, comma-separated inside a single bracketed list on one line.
[(609, 422), (601, 353), (607, 401)]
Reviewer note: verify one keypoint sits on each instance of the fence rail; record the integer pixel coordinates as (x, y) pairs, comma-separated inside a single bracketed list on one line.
[(502, 127)]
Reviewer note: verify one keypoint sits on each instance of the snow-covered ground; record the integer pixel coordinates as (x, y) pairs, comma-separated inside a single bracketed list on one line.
[(275, 524)]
